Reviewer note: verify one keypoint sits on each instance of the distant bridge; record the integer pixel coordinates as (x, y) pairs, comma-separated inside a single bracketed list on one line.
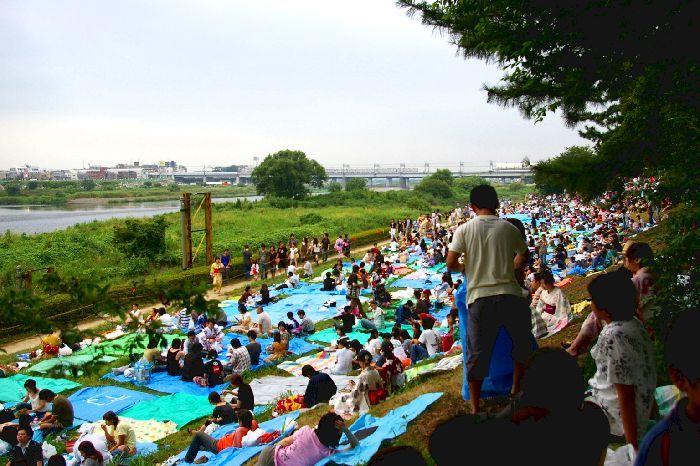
[(400, 175)]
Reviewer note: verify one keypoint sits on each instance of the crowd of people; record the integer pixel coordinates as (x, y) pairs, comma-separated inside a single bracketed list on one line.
[(516, 258)]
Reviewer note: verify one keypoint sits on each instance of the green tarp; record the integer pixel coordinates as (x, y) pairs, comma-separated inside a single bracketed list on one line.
[(179, 408), (12, 388), (122, 346), (66, 363)]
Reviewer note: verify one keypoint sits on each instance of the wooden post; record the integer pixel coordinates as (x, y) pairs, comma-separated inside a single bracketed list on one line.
[(186, 222), (209, 246)]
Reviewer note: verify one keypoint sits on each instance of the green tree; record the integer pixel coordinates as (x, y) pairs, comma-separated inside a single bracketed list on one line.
[(32, 185), (334, 187), (435, 187), (621, 71), (467, 183), (141, 237), (356, 184), (173, 188), (13, 189), (443, 175), (555, 176), (287, 173), (88, 184)]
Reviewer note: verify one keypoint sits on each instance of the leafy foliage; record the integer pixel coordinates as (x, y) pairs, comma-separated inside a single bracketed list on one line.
[(435, 187), (13, 189), (356, 184), (622, 70), (88, 184), (286, 174), (334, 187), (141, 237)]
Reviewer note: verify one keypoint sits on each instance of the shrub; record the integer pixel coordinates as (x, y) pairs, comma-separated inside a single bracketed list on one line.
[(334, 187), (142, 237), (437, 188), (356, 184), (310, 219)]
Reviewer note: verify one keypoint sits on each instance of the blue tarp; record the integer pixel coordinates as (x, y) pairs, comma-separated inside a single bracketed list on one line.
[(390, 426), (164, 383), (238, 456), (91, 403), (500, 378)]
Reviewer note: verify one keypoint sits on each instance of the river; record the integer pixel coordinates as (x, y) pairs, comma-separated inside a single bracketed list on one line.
[(42, 219)]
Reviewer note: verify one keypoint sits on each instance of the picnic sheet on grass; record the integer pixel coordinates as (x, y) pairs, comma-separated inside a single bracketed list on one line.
[(66, 363), (146, 431), (445, 364), (500, 378), (12, 388), (296, 346), (390, 426), (328, 335), (164, 383), (237, 456), (179, 408), (130, 343), (270, 388), (90, 403), (319, 361)]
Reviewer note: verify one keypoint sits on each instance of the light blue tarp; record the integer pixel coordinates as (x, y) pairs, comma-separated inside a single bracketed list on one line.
[(238, 456), (180, 408), (91, 403), (500, 378), (12, 388), (393, 424)]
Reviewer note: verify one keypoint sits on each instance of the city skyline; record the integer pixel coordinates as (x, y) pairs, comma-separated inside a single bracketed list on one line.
[(219, 83)]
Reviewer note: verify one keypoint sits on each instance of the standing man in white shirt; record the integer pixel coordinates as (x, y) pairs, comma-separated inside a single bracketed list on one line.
[(493, 249)]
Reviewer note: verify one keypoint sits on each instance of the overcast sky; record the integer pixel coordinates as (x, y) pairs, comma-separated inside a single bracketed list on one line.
[(220, 82)]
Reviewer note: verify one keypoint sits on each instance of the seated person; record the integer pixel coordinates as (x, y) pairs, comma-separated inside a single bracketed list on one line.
[(8, 430), (254, 348), (320, 388), (277, 350), (213, 370), (91, 456), (345, 321), (193, 366), (308, 446), (293, 325), (344, 357), (121, 438), (31, 401), (239, 358), (427, 344), (404, 313), (625, 377), (152, 355), (308, 269), (328, 283), (223, 412), (26, 452), (243, 397), (61, 415), (674, 439), (211, 336), (173, 357), (202, 441), (245, 322), (307, 325), (264, 295)]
